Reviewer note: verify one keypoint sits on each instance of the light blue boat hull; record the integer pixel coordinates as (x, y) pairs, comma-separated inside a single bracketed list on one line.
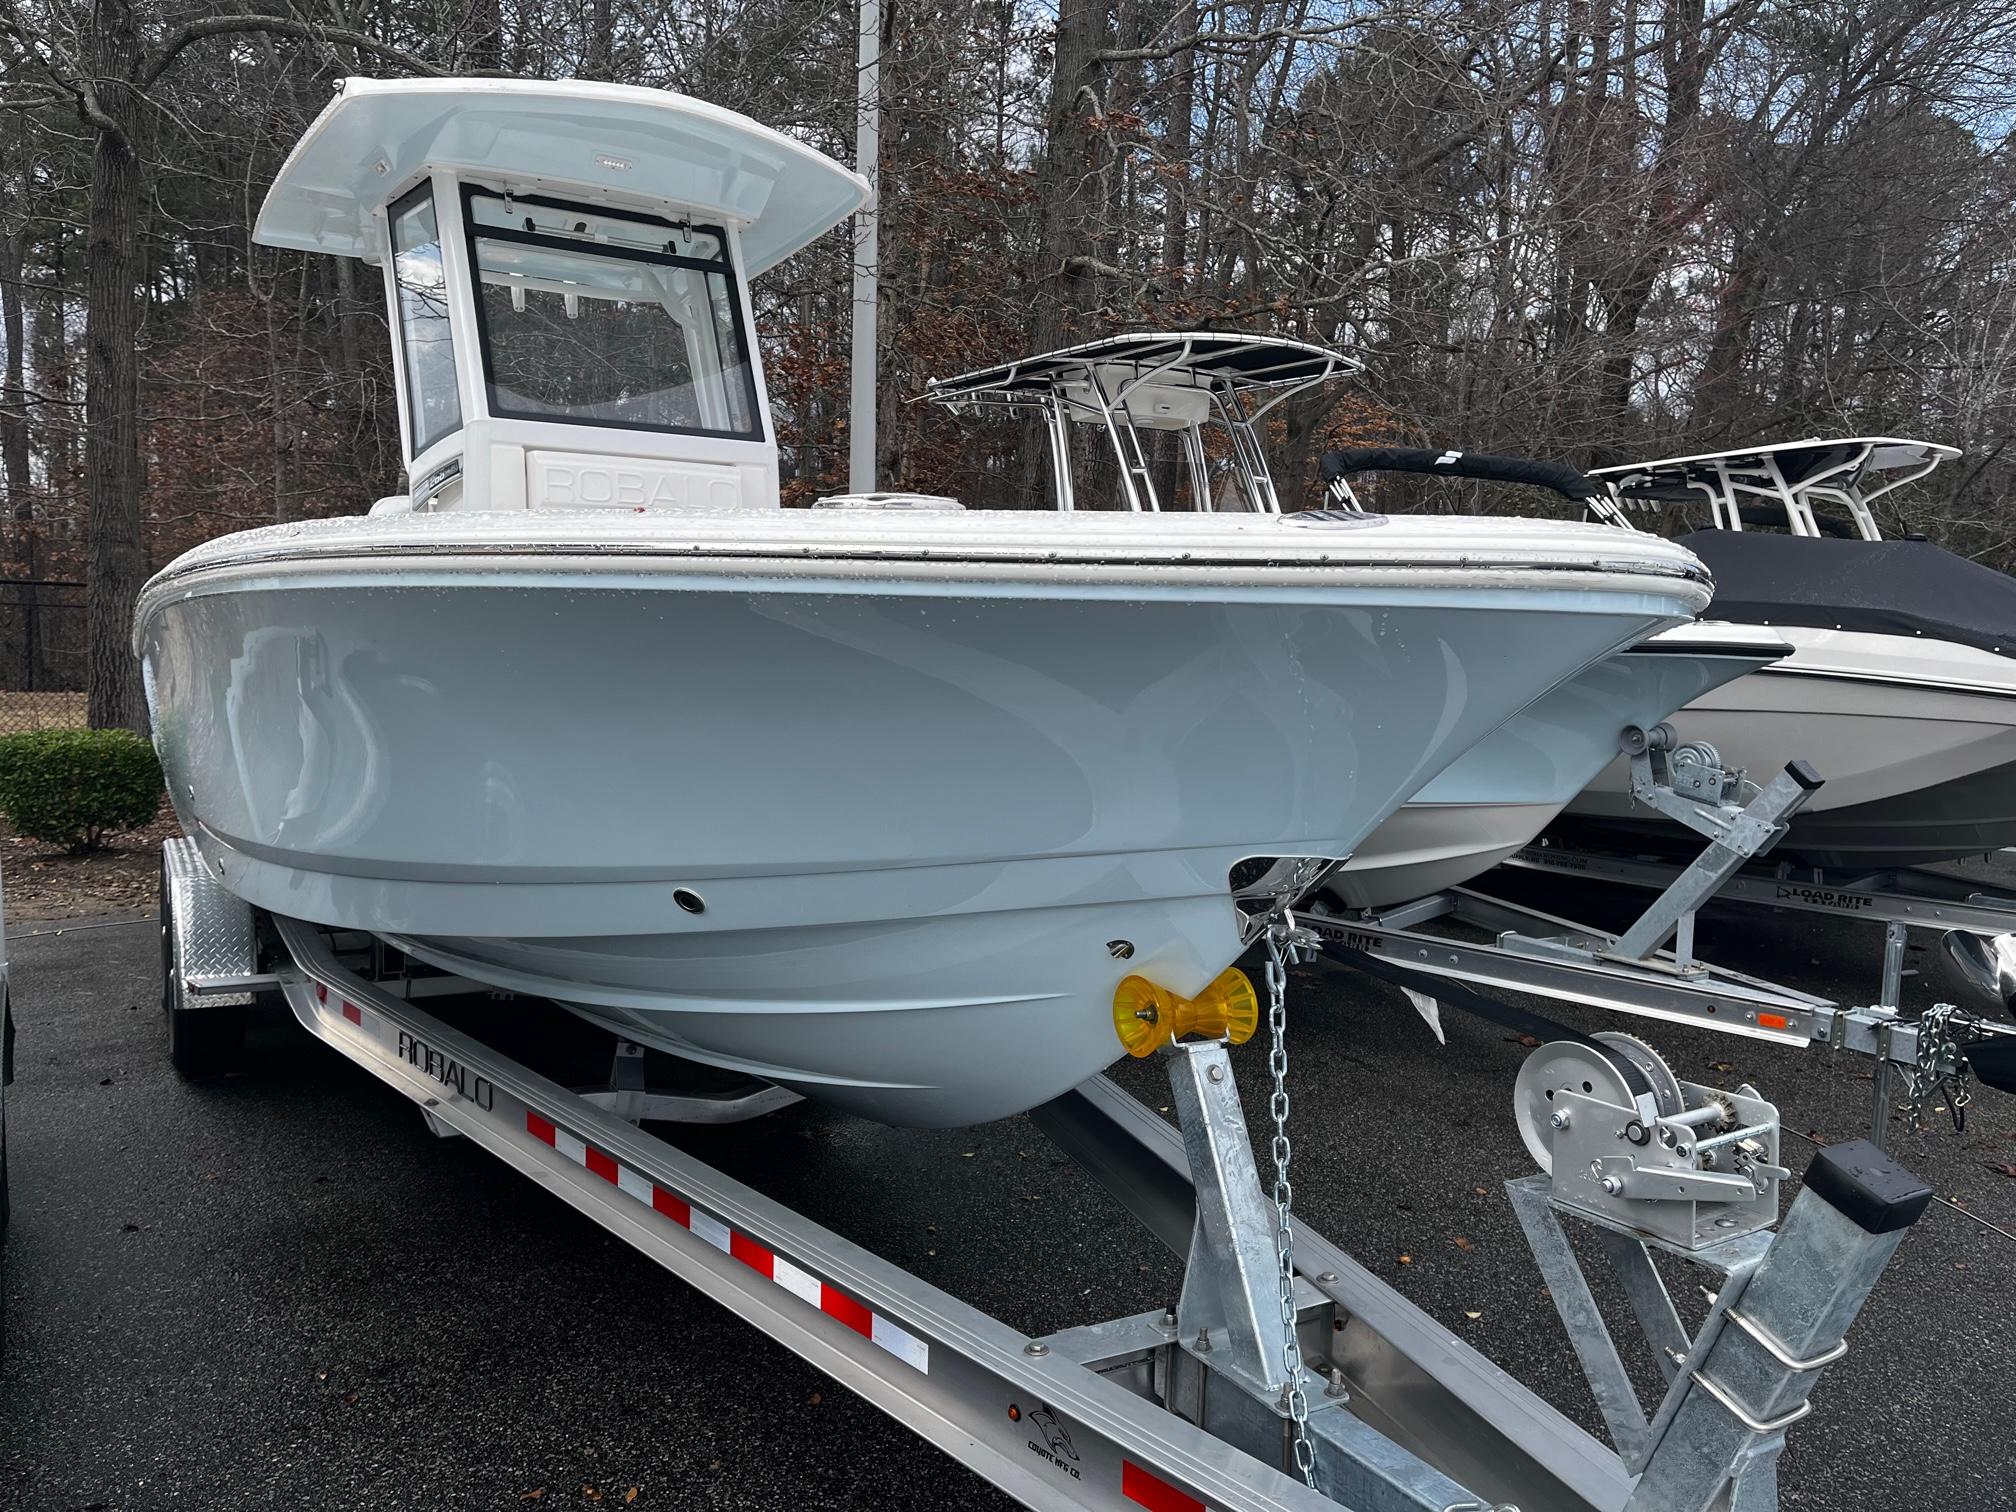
[(1511, 785), (927, 835)]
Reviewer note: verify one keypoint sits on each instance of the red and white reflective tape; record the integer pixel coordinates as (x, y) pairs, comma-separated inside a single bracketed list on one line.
[(801, 1283), (1149, 1490), (349, 1009)]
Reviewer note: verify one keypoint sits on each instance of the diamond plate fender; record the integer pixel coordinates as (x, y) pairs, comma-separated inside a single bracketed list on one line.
[(213, 944)]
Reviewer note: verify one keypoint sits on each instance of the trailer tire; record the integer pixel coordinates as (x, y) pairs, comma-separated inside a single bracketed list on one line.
[(203, 1043)]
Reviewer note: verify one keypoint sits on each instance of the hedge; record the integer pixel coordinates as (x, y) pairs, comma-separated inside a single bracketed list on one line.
[(74, 787)]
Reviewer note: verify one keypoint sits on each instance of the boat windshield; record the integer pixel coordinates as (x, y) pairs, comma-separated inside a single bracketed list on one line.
[(433, 408), (593, 318)]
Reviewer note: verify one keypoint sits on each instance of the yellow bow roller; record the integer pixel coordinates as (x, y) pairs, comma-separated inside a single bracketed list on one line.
[(1147, 1016)]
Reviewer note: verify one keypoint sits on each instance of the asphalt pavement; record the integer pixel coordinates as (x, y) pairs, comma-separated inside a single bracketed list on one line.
[(280, 1290)]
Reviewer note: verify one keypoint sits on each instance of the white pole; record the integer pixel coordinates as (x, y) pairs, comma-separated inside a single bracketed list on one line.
[(867, 162)]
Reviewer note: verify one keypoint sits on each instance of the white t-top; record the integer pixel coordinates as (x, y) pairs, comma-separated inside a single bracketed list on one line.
[(648, 146)]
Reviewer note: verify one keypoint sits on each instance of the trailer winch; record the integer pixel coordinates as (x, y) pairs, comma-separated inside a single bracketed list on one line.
[(1689, 1163)]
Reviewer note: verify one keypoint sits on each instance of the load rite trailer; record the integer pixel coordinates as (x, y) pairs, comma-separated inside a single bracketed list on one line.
[(1284, 1375)]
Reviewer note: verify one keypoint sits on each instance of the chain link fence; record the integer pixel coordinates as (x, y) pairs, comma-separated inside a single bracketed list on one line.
[(42, 654)]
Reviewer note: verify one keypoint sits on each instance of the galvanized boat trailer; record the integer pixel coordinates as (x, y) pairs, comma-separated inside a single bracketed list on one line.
[(1281, 1353), (1974, 923), (1442, 947)]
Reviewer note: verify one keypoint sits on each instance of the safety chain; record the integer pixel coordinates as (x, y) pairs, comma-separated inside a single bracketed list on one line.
[(1283, 938), (1943, 1032)]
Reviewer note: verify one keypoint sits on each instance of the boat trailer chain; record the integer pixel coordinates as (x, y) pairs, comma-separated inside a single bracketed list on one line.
[(1285, 943), (1944, 1032)]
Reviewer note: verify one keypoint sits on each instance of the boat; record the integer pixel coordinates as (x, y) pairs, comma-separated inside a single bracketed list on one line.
[(1901, 682), (1210, 392), (894, 804)]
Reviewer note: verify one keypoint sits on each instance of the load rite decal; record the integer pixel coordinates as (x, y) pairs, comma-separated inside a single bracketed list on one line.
[(1824, 897)]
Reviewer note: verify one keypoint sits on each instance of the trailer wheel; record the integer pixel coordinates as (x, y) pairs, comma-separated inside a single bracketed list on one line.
[(202, 1042), (206, 1042)]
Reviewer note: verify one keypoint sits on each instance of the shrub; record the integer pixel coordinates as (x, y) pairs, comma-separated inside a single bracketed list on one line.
[(74, 787)]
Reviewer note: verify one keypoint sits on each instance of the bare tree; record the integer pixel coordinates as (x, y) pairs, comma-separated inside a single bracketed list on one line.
[(1592, 229)]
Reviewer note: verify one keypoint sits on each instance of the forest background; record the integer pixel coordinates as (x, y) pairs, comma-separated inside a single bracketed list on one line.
[(1589, 230)]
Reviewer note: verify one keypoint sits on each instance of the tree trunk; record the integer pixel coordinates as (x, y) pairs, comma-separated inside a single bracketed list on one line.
[(1176, 146), (486, 35), (1067, 180), (1721, 405), (601, 41), (53, 362), (1181, 83), (14, 459), (116, 557), (1067, 204), (286, 497), (14, 396)]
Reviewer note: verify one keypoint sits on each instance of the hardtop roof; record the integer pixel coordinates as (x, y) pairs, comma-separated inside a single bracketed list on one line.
[(633, 145)]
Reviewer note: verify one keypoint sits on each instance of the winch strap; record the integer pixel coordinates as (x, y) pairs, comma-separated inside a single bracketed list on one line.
[(1454, 994)]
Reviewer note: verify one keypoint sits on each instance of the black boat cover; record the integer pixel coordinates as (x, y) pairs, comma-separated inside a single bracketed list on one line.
[(1888, 587), (1558, 476)]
